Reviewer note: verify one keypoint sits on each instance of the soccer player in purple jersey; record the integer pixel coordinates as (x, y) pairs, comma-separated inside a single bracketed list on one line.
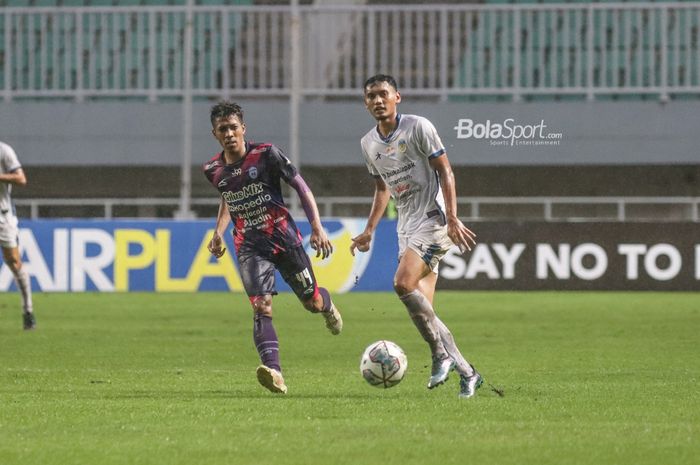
[(264, 233), (409, 163)]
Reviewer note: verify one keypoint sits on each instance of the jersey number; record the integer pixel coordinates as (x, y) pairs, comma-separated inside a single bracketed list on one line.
[(304, 277)]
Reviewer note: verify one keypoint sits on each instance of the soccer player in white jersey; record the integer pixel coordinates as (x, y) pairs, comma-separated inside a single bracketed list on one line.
[(408, 161), (11, 173)]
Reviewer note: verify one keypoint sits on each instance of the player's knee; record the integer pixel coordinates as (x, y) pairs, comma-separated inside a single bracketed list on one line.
[(402, 287), (13, 264), (262, 305)]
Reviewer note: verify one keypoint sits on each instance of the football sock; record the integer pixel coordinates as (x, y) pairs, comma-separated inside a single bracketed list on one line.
[(423, 316), (25, 289), (326, 296), (266, 341), (461, 365)]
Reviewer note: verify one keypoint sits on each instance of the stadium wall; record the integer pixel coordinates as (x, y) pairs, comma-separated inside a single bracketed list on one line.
[(162, 256), (475, 134)]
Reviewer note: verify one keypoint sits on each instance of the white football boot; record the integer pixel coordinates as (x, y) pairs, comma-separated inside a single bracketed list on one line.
[(469, 384), (271, 379), (334, 322), (440, 372)]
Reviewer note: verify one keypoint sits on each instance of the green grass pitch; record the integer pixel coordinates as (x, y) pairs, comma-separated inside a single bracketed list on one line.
[(589, 378)]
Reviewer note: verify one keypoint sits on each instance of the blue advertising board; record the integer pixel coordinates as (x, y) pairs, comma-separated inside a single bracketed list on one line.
[(161, 256)]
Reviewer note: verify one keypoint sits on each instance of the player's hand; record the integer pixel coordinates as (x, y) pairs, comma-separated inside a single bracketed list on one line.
[(216, 246), (361, 243), (321, 244), (461, 236)]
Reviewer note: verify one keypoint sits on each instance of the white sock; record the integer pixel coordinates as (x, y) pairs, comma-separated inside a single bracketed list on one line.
[(461, 365), (424, 317), (25, 289)]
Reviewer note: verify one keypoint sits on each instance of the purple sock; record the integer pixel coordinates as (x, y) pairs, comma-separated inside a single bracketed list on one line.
[(266, 341), (325, 295)]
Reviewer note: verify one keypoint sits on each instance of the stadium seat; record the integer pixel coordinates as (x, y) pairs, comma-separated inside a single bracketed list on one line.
[(40, 3), (99, 2), (16, 3)]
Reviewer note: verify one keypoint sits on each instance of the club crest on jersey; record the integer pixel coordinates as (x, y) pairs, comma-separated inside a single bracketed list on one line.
[(403, 146), (253, 172)]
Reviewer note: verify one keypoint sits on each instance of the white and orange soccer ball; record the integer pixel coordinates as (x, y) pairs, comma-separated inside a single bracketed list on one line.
[(383, 364)]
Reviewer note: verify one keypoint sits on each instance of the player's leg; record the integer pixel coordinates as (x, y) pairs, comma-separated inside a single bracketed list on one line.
[(264, 334), (462, 366), (295, 268), (322, 303), (258, 277), (269, 373), (427, 286), (469, 379), (412, 269), (14, 263)]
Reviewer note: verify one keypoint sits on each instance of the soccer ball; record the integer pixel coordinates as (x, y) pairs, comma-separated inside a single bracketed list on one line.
[(383, 364)]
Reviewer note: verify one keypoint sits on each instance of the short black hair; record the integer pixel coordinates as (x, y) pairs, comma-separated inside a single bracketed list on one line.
[(224, 109), (381, 78)]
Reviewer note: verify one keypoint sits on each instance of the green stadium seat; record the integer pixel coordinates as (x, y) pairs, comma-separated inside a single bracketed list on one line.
[(162, 2), (99, 2), (40, 3), (16, 3), (129, 3)]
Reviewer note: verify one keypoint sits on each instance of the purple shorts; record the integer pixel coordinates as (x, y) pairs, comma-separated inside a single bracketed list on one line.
[(258, 273)]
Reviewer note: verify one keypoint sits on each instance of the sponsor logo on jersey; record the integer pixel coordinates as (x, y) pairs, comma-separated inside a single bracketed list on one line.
[(401, 189), (405, 167), (233, 172), (245, 193), (378, 156)]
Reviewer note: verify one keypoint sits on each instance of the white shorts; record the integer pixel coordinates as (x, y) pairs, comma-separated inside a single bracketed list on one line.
[(9, 231), (430, 242)]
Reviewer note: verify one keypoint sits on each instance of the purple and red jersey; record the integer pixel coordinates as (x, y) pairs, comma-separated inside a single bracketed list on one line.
[(251, 189)]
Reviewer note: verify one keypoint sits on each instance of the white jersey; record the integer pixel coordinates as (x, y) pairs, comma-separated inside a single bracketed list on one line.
[(403, 161), (8, 164)]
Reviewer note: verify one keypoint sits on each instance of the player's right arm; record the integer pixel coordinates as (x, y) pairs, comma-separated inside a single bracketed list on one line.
[(223, 219), (16, 177), (379, 203), (13, 172)]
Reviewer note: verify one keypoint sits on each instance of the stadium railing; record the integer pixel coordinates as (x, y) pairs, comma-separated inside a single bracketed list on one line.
[(582, 50), (565, 209)]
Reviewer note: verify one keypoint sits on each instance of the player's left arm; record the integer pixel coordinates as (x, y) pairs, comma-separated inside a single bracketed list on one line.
[(319, 239), (16, 177), (462, 236)]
